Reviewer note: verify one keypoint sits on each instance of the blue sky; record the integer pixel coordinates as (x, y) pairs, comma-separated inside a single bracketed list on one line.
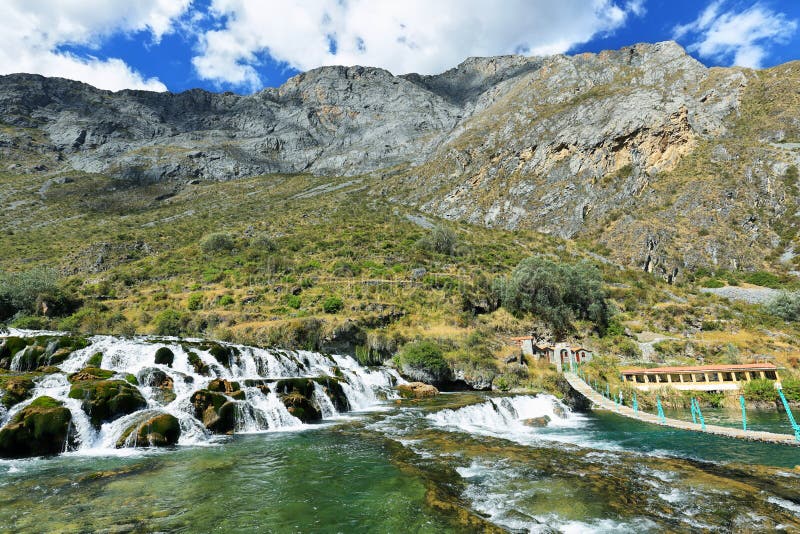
[(245, 45)]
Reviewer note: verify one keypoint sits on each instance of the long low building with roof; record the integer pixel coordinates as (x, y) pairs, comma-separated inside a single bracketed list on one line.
[(700, 377)]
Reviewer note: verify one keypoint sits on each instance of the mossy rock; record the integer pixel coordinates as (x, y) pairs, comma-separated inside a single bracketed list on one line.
[(107, 400), (96, 360), (48, 370), (32, 357), (223, 386), (161, 382), (40, 429), (11, 346), (164, 356), (261, 384), (215, 410), (198, 364), (161, 430), (225, 355), (16, 388), (334, 390), (58, 356), (90, 373), (297, 395)]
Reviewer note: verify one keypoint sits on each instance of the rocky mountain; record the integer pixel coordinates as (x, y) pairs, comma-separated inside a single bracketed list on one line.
[(644, 154)]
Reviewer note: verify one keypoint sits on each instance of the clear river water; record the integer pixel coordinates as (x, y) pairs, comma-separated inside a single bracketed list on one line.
[(459, 462)]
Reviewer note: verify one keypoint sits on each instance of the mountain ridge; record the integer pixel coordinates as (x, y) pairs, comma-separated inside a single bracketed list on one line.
[(641, 152)]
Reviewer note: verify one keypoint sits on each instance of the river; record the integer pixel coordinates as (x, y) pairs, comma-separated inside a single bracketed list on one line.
[(458, 462)]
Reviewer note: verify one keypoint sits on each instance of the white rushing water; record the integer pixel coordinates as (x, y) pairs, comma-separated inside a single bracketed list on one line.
[(260, 410)]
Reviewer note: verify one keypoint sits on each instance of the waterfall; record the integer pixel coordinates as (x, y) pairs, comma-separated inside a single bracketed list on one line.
[(169, 388), (520, 417)]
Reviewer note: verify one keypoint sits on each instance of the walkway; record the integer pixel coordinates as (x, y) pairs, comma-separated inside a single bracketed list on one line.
[(604, 403)]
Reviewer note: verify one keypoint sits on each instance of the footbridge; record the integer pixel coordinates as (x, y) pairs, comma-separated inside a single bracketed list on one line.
[(612, 405)]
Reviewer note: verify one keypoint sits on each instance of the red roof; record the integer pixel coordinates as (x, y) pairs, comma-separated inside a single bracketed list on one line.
[(702, 368)]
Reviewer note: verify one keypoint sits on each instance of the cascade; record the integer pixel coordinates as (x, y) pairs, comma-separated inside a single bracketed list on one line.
[(245, 377)]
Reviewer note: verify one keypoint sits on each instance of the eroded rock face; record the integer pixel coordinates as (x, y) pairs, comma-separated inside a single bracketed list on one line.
[(41, 428)]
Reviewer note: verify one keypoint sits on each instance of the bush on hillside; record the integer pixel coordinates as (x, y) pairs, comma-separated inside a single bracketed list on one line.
[(217, 242), (440, 240), (786, 306), (763, 278), (556, 293), (332, 305), (424, 356), (168, 323), (33, 292)]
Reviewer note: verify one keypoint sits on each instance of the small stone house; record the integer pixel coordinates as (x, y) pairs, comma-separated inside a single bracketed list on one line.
[(557, 354)]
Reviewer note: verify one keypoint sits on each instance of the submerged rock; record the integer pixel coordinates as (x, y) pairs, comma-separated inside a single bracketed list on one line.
[(537, 422), (417, 390), (107, 400), (41, 428), (160, 430)]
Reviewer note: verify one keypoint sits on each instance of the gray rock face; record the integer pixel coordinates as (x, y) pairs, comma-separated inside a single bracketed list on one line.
[(577, 146)]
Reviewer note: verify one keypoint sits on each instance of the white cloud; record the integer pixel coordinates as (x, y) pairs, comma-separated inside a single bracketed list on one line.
[(742, 38), (410, 36), (33, 30)]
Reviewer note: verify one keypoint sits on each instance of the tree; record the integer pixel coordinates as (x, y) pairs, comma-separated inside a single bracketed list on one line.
[(556, 292)]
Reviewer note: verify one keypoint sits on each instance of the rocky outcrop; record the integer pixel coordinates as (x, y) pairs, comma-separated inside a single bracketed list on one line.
[(297, 394), (41, 428)]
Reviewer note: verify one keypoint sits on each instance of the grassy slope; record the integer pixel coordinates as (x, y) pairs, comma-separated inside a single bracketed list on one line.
[(342, 243)]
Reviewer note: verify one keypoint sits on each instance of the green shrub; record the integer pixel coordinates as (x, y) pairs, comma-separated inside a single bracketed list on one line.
[(29, 322), (760, 389), (332, 305), (225, 300), (763, 278), (195, 301), (712, 283), (791, 388), (217, 242), (440, 240), (425, 356), (786, 306), (28, 292), (263, 242), (168, 323), (294, 301)]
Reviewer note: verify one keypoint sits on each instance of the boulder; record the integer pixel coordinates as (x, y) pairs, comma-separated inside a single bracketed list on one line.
[(159, 430), (164, 356), (15, 389), (226, 355), (417, 390), (297, 394), (41, 428), (90, 373), (197, 363), (215, 410), (161, 382), (537, 422), (231, 389), (107, 400)]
